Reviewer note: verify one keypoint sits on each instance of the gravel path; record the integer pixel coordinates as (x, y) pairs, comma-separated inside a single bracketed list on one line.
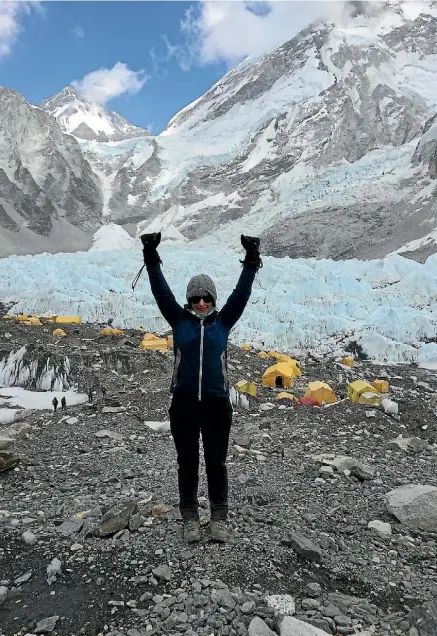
[(299, 524)]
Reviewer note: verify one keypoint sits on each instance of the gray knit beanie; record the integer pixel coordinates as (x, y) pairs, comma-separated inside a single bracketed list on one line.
[(201, 285)]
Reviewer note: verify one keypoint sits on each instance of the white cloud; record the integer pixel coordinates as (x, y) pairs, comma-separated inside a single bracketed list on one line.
[(78, 32), (10, 14), (216, 30), (105, 84)]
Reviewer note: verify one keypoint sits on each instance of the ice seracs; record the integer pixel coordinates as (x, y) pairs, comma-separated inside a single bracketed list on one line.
[(297, 305)]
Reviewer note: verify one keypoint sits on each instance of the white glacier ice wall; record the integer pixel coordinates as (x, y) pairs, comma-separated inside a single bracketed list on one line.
[(16, 371), (389, 306)]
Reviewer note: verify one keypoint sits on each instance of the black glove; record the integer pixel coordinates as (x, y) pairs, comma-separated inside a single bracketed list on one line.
[(150, 243), (251, 245)]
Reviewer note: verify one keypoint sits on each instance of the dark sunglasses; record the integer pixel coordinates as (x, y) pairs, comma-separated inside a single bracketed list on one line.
[(206, 299)]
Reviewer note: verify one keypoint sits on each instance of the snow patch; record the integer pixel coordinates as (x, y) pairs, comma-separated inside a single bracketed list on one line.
[(39, 400), (112, 237)]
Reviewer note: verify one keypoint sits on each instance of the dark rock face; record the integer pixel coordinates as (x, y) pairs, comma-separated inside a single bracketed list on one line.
[(44, 177)]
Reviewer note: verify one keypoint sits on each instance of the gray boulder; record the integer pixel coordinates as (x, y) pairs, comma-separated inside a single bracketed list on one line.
[(5, 442), (291, 626), (258, 627), (415, 506), (412, 444), (117, 518), (304, 546), (424, 618)]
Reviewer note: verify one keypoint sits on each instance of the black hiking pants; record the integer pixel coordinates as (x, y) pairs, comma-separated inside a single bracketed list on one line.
[(212, 418)]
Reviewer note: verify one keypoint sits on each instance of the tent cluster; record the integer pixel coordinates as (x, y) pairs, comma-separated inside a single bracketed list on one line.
[(283, 373), (36, 320), (364, 393)]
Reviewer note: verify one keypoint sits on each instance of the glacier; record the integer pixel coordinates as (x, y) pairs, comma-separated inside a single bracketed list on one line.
[(16, 370), (388, 306)]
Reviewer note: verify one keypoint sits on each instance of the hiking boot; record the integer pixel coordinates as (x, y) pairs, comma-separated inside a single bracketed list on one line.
[(192, 531), (219, 533)]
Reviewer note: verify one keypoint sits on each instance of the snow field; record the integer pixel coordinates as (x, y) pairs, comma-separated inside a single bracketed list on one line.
[(389, 306), (39, 400)]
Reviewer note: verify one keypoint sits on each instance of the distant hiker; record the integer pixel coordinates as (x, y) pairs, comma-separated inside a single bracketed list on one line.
[(63, 403), (110, 321), (103, 391), (200, 386), (55, 403), (90, 395)]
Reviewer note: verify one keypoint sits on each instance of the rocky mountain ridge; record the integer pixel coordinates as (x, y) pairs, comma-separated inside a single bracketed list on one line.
[(50, 199)]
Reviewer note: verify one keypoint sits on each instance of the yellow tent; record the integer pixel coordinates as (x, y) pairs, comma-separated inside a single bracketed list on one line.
[(244, 386), (7, 317), (153, 343), (294, 364), (274, 354), (59, 333), (68, 319), (50, 318), (361, 391), (348, 361), (286, 396), (263, 355), (247, 347), (321, 392), (381, 386), (111, 331), (33, 320), (278, 375)]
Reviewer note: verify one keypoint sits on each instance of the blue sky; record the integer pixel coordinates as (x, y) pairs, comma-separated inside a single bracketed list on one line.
[(147, 60)]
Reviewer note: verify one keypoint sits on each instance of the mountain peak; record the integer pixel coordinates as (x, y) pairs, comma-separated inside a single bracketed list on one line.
[(88, 120)]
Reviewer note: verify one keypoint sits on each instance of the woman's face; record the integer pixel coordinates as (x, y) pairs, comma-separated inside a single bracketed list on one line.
[(202, 304)]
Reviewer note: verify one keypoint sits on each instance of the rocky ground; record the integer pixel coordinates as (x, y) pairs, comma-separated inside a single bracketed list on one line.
[(90, 535)]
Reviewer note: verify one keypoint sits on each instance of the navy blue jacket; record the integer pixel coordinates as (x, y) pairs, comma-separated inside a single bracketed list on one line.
[(200, 344)]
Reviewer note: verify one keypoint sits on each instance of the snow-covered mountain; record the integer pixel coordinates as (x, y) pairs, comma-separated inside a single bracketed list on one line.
[(88, 120), (50, 199), (337, 128), (330, 130)]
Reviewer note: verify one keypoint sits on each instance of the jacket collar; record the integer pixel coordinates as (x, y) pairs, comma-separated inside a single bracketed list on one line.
[(208, 317)]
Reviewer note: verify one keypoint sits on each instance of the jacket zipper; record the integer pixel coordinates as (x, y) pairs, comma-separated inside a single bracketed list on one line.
[(201, 360)]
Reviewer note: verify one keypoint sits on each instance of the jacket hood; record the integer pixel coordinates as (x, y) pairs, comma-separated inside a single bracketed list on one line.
[(200, 285)]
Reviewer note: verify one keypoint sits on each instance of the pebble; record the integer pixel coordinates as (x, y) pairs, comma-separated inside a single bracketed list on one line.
[(223, 598), (163, 572), (284, 604), (313, 590), (310, 603), (381, 527), (3, 594), (28, 537), (76, 547), (54, 569), (47, 625), (304, 546)]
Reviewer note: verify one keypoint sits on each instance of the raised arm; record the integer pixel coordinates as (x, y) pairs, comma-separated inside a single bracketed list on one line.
[(168, 306), (239, 298)]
